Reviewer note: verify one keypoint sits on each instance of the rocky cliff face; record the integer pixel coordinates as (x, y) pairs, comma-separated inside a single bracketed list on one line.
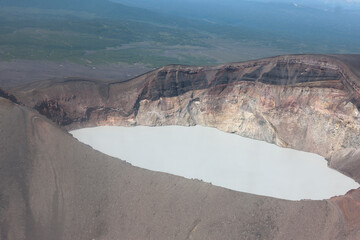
[(305, 102)]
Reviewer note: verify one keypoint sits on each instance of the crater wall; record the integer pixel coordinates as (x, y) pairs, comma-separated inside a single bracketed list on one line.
[(53, 187)]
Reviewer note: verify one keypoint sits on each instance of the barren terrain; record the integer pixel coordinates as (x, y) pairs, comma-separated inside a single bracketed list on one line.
[(54, 187)]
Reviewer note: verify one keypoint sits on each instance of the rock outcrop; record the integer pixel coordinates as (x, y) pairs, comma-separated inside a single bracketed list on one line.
[(305, 102), (6, 95)]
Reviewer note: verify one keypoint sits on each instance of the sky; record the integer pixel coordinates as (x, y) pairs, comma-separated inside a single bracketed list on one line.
[(317, 2), (321, 4), (321, 1)]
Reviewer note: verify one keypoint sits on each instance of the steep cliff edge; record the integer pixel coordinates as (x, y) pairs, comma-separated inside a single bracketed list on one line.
[(305, 102)]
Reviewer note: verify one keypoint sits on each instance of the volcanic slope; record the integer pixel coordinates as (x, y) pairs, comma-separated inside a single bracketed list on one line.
[(54, 187), (306, 102)]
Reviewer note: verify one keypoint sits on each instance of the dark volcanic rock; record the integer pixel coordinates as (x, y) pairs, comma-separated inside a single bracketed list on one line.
[(4, 94), (51, 109)]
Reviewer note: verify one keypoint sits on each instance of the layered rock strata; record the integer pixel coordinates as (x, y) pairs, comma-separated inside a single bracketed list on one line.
[(305, 102)]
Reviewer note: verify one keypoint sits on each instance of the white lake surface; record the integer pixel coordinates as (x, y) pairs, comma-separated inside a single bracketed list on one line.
[(224, 159)]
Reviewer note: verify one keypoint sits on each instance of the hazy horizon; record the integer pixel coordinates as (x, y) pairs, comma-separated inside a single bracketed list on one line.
[(330, 4)]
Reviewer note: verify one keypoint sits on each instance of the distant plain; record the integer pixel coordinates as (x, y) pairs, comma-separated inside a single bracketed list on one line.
[(157, 33), (117, 40)]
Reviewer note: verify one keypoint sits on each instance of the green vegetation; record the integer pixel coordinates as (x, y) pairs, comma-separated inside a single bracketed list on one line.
[(85, 40), (117, 33)]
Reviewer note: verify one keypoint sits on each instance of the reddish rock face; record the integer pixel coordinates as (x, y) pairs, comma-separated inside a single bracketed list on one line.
[(349, 206), (305, 102)]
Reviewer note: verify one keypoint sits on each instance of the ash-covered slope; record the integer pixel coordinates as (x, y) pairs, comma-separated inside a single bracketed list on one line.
[(54, 187)]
